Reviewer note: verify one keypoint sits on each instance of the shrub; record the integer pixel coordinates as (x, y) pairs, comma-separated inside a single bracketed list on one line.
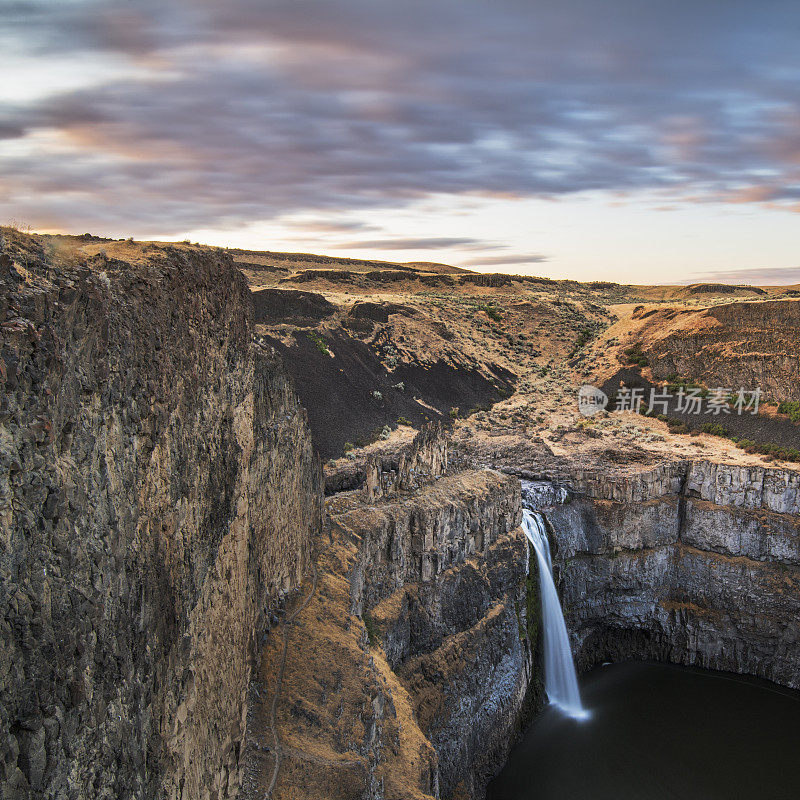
[(583, 337), (676, 425), (385, 433), (377, 395), (373, 634), (790, 408), (687, 384), (769, 449), (491, 312), (404, 421), (714, 428), (319, 343), (635, 356)]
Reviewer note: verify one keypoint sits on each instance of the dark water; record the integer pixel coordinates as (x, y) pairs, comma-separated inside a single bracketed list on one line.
[(660, 732)]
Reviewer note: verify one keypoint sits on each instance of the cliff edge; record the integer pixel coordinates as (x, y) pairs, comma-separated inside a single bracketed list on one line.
[(158, 497)]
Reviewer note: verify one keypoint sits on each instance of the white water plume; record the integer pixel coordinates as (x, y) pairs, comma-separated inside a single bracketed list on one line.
[(560, 680)]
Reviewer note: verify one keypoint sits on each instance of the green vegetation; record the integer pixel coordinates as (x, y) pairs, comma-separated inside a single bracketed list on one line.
[(790, 408), (491, 312), (319, 342), (687, 384), (773, 450), (405, 421), (373, 635), (476, 409), (674, 425), (715, 429), (533, 607), (635, 356), (583, 338)]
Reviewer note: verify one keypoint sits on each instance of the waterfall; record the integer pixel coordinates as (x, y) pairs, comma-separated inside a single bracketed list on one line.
[(560, 681)]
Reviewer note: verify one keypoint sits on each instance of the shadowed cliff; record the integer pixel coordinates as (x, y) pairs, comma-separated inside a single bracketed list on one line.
[(158, 494)]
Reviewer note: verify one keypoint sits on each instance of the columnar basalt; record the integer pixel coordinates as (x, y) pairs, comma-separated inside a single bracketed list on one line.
[(158, 493), (695, 562), (183, 616), (407, 673)]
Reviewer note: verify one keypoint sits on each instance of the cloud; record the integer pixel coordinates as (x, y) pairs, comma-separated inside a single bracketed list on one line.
[(429, 243), (328, 226), (499, 261), (756, 276), (244, 110)]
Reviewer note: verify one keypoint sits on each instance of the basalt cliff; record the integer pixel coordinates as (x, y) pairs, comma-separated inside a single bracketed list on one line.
[(183, 616), (158, 496), (693, 563)]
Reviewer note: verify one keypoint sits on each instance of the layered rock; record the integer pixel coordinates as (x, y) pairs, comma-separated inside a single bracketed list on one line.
[(406, 670), (381, 471), (693, 562), (731, 345), (158, 494)]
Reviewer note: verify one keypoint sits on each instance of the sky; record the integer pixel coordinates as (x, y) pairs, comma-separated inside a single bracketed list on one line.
[(629, 140)]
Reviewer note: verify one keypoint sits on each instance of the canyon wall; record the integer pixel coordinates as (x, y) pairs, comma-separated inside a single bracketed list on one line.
[(179, 617), (158, 495), (406, 671), (732, 345), (182, 616), (691, 562)]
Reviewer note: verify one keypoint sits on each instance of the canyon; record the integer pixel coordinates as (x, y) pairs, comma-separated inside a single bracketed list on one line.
[(195, 606), (693, 563)]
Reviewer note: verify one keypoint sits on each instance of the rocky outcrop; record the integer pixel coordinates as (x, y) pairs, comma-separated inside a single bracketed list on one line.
[(172, 624), (381, 471), (737, 344), (406, 671), (158, 495), (379, 312), (304, 309), (692, 562)]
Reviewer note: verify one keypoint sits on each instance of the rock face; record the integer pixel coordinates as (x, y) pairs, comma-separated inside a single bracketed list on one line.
[(158, 494), (393, 467), (407, 673), (731, 345), (304, 309), (692, 562), (160, 504)]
